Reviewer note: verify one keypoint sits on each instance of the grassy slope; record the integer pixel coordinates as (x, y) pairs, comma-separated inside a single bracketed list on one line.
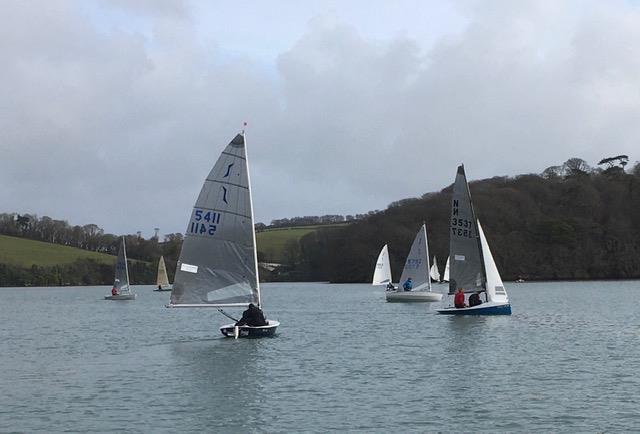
[(271, 242), (25, 253)]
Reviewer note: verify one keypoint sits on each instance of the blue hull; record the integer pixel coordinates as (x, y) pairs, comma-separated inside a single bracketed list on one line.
[(504, 309)]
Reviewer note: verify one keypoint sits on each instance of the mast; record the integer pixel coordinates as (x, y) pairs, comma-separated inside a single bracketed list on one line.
[(253, 230)]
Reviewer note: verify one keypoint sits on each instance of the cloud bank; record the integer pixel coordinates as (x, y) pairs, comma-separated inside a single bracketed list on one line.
[(117, 120)]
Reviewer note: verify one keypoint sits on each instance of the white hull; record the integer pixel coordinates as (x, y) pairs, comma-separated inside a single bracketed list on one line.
[(413, 296), (245, 331), (121, 297)]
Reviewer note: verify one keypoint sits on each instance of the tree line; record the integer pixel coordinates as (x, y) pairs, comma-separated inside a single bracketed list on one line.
[(571, 221), (146, 252)]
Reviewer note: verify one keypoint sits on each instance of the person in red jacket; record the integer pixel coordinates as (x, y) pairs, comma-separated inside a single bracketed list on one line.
[(458, 299), (114, 291)]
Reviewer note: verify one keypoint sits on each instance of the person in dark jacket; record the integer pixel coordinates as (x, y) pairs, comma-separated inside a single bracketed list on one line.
[(253, 317), (390, 287), (408, 284), (474, 299)]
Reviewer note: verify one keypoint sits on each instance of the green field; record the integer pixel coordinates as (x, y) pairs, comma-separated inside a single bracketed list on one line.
[(25, 253), (271, 242)]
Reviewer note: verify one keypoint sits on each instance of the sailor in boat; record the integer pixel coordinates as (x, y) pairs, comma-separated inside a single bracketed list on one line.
[(390, 287), (458, 299), (114, 291), (474, 299), (253, 317), (408, 284)]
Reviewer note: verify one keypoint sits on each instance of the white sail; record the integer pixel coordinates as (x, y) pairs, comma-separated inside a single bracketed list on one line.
[(162, 279), (121, 280), (382, 273), (417, 264), (434, 272), (218, 261), (445, 275), (495, 287)]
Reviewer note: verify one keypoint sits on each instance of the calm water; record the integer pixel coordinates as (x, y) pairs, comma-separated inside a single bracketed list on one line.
[(568, 359)]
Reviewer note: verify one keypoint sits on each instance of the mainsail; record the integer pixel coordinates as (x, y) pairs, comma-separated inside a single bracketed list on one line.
[(121, 282), (467, 270), (434, 272), (417, 264), (162, 279), (218, 262), (382, 273)]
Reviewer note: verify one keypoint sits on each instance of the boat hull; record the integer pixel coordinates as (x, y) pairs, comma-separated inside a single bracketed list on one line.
[(120, 297), (245, 331), (413, 296), (482, 309)]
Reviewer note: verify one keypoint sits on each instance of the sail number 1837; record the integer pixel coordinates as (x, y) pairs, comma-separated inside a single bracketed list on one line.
[(204, 222)]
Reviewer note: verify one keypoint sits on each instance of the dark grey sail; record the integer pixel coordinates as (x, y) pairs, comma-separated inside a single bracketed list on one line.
[(466, 267), (121, 281), (218, 264)]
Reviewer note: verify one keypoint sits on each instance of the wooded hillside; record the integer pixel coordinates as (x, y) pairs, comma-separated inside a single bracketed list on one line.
[(571, 222)]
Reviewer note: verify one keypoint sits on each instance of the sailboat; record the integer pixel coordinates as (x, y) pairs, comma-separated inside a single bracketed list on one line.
[(472, 267), (162, 280), (445, 275), (434, 273), (417, 268), (218, 265), (382, 272), (121, 281)]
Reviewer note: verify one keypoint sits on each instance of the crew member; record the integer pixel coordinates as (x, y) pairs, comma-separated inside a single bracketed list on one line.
[(253, 317)]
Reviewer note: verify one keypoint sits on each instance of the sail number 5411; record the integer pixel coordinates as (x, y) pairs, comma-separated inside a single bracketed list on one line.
[(204, 222)]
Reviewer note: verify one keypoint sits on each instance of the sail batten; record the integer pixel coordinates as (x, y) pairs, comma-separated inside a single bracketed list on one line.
[(218, 263)]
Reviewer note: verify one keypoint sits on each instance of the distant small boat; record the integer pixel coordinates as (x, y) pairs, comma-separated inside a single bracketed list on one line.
[(434, 273), (162, 280), (445, 275), (520, 280), (382, 272), (121, 282), (417, 268), (472, 268)]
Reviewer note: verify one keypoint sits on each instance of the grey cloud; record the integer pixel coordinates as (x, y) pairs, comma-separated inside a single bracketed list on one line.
[(119, 130)]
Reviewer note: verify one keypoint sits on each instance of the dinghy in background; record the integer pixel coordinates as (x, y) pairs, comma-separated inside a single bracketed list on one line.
[(382, 272), (162, 280), (121, 280), (417, 268)]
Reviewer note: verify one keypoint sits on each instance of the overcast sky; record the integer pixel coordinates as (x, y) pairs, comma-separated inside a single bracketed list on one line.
[(113, 112)]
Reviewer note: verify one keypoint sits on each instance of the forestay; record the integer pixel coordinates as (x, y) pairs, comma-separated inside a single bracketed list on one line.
[(467, 270), (162, 279), (218, 264), (417, 264), (121, 282), (382, 273)]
